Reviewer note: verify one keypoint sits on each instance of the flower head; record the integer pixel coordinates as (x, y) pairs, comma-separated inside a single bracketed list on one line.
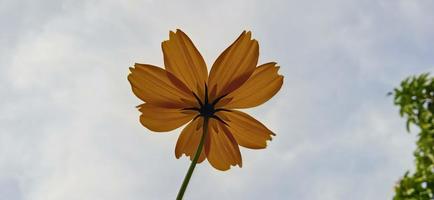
[(184, 93)]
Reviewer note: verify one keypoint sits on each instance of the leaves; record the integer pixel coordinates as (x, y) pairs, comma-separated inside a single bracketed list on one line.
[(415, 98)]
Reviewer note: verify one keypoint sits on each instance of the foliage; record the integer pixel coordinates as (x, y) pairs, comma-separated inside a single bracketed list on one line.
[(415, 97)]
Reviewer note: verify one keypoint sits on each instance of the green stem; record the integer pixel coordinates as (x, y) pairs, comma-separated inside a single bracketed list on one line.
[(193, 163)]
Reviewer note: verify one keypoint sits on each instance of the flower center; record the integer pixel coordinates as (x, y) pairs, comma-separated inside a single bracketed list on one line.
[(206, 108)]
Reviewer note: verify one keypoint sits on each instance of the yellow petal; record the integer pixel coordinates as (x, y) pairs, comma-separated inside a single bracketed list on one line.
[(182, 59), (259, 88), (234, 66), (189, 140), (162, 119), (221, 149), (247, 131), (159, 87)]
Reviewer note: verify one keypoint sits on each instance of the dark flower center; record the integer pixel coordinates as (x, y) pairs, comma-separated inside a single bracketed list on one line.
[(207, 109)]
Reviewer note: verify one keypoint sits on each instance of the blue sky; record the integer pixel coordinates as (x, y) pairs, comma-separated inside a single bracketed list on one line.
[(69, 129)]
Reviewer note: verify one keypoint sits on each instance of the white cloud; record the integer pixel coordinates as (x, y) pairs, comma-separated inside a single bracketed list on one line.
[(69, 129)]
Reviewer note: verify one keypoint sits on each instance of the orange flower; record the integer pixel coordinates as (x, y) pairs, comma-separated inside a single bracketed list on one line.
[(185, 93)]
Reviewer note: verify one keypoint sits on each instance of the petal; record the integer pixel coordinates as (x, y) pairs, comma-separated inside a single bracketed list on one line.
[(189, 140), (247, 131), (221, 149), (182, 59), (159, 87), (259, 88), (234, 66), (161, 119)]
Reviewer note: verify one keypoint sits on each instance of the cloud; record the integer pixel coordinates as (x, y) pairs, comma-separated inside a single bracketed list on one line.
[(69, 129)]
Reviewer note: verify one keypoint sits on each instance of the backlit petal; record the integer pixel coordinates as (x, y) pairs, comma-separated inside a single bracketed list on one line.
[(234, 66), (221, 149), (259, 88), (159, 87), (189, 140), (182, 59), (247, 131), (162, 119)]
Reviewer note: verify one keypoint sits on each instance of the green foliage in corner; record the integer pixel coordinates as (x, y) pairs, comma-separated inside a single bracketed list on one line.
[(415, 98)]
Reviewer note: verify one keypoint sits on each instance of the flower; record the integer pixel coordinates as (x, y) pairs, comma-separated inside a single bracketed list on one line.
[(184, 92)]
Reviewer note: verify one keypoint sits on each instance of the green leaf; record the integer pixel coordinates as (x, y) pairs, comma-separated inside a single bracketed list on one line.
[(415, 99)]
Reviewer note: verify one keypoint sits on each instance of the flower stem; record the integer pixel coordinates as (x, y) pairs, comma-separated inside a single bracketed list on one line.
[(194, 161)]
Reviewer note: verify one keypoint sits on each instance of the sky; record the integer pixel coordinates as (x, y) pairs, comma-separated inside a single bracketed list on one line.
[(69, 128)]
